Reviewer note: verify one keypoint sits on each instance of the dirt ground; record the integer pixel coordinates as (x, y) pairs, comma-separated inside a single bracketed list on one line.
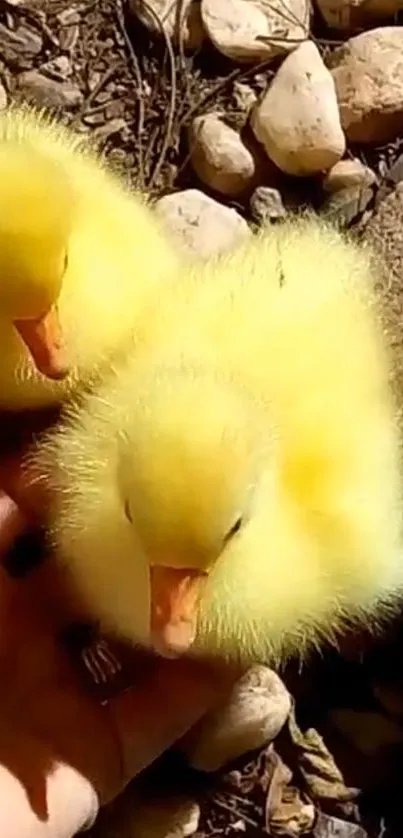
[(110, 77)]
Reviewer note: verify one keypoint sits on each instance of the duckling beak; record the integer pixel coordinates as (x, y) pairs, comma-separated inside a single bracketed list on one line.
[(175, 596), (43, 337)]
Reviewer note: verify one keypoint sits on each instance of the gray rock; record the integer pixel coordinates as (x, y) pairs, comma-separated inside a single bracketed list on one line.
[(18, 47), (266, 205), (45, 92)]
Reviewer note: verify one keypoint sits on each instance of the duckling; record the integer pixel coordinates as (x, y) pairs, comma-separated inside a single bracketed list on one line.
[(78, 254), (232, 485)]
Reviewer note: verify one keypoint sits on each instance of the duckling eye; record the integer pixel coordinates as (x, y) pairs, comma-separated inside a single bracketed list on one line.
[(127, 512), (234, 529)]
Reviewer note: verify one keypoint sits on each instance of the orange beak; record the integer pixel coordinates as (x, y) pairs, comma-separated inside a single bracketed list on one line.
[(175, 596), (43, 337)]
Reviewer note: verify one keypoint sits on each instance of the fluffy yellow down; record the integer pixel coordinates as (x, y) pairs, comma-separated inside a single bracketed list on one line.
[(58, 199), (258, 385)]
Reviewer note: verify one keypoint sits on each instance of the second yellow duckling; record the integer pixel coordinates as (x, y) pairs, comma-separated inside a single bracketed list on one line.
[(78, 253), (242, 463)]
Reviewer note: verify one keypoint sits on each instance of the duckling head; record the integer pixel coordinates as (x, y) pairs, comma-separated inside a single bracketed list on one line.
[(36, 208), (190, 470)]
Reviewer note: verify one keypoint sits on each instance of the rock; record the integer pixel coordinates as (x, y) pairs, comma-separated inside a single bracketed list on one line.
[(357, 14), (202, 226), (257, 709), (266, 205), (368, 74), (45, 92), (346, 205), (108, 129), (348, 173), (297, 121), (58, 68), (3, 97), (328, 826), (244, 96), (18, 47), (235, 26), (384, 234), (219, 157), (166, 11)]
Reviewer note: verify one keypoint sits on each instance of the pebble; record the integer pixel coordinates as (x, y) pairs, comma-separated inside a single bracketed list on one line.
[(166, 11), (357, 14), (58, 68), (45, 92), (252, 717), (18, 47), (347, 205), (348, 173), (202, 226), (244, 96), (297, 121), (266, 205), (3, 97), (368, 74), (235, 26), (219, 157)]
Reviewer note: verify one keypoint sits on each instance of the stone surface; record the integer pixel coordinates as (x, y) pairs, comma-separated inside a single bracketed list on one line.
[(368, 74), (18, 47), (219, 157), (297, 121), (348, 173), (235, 26), (46, 92), (266, 205), (3, 97), (257, 709), (166, 13), (202, 226), (357, 14)]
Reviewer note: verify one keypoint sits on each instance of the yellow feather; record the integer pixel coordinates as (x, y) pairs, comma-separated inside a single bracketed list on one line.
[(57, 196), (259, 385)]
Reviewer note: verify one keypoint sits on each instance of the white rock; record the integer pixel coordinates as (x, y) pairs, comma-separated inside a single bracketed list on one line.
[(352, 14), (297, 121), (202, 226), (3, 98), (219, 157), (254, 714), (166, 11), (368, 74), (235, 26), (244, 96), (348, 173)]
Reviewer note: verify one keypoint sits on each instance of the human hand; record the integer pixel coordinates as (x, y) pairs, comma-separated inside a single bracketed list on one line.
[(62, 752)]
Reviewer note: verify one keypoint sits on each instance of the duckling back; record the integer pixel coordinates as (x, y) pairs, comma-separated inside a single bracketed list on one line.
[(292, 323), (65, 201)]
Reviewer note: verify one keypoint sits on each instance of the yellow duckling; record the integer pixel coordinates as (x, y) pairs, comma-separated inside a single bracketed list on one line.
[(78, 253), (241, 463)]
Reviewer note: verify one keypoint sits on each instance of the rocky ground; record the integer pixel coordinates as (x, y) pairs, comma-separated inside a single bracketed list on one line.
[(230, 114)]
